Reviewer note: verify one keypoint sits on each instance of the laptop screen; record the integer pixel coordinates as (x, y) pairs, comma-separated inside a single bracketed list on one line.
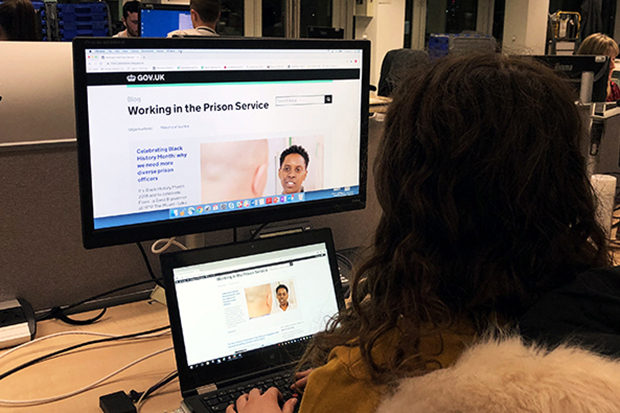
[(230, 307), (241, 309)]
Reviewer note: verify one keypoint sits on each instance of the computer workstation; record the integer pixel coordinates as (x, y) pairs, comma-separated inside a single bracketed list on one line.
[(336, 169)]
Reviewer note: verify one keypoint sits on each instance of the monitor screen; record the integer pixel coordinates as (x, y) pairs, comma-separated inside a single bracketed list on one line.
[(158, 20), (179, 136), (574, 66)]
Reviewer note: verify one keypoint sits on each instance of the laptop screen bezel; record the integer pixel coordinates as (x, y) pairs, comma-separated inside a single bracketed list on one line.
[(274, 356)]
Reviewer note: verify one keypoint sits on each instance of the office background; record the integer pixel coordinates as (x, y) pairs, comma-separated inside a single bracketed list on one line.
[(41, 255)]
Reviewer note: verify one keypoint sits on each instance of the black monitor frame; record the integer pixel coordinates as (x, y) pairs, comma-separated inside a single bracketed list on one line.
[(572, 66), (94, 238)]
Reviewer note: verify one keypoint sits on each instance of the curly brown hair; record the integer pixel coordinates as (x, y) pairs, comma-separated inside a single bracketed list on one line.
[(486, 206)]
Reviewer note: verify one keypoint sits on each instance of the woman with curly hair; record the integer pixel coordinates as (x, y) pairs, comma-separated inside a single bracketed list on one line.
[(487, 209)]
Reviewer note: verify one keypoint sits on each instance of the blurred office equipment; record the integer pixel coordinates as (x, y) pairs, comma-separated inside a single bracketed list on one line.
[(320, 32), (588, 74), (157, 20), (36, 92), (440, 45)]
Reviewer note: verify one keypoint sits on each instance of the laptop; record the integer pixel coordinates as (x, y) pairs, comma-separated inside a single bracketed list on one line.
[(241, 314)]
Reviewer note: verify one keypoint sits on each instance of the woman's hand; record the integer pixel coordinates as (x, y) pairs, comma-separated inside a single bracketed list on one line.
[(255, 402), (301, 379)]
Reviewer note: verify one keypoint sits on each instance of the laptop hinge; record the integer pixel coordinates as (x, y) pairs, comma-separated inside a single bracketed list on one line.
[(206, 388), (253, 375)]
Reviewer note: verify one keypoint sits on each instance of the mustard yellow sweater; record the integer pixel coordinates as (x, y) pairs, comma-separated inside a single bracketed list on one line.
[(344, 385)]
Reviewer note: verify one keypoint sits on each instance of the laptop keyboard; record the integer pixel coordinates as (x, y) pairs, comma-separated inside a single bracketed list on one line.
[(219, 400)]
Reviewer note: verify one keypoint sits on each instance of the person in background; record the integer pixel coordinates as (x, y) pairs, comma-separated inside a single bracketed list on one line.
[(204, 14), (599, 44), (18, 21), (131, 12), (487, 209)]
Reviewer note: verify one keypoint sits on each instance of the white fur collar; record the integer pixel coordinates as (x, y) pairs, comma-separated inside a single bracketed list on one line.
[(508, 376)]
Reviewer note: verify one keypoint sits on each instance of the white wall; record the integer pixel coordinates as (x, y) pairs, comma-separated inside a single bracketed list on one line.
[(386, 31), (525, 26)]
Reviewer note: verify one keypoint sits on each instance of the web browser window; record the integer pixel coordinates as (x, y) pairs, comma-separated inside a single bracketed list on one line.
[(170, 130), (231, 307)]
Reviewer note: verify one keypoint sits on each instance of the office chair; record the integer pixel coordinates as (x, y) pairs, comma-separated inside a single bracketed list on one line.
[(395, 66)]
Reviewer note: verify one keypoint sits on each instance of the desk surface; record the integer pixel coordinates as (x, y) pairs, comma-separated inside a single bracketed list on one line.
[(86, 365)]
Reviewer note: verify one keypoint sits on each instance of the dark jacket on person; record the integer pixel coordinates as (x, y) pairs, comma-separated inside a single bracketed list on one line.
[(585, 312)]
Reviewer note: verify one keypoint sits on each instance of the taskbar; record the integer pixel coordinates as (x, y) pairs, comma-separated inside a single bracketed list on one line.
[(203, 209)]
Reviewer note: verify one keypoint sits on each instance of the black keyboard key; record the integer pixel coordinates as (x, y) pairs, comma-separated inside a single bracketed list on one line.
[(219, 407), (212, 402)]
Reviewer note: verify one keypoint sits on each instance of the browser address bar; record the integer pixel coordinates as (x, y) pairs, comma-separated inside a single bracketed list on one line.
[(303, 100)]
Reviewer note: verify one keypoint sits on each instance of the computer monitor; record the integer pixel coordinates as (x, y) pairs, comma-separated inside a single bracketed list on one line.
[(574, 67), (179, 136), (157, 20)]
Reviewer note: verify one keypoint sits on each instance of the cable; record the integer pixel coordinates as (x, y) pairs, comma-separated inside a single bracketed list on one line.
[(50, 314), (161, 383), (344, 259), (83, 389), (58, 352), (60, 313), (257, 231), (84, 333), (168, 243), (148, 265)]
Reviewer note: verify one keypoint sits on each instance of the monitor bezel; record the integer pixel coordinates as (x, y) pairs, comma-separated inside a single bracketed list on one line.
[(95, 238), (572, 66)]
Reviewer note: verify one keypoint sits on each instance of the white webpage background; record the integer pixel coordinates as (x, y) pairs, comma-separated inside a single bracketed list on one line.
[(205, 331), (114, 144)]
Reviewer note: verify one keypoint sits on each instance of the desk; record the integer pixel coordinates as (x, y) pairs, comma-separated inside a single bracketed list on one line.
[(86, 365)]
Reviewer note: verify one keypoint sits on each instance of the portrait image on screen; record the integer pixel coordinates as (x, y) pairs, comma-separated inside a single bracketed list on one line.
[(179, 136), (158, 20)]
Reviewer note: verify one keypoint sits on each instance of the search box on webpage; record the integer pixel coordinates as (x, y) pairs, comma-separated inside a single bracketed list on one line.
[(303, 100)]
